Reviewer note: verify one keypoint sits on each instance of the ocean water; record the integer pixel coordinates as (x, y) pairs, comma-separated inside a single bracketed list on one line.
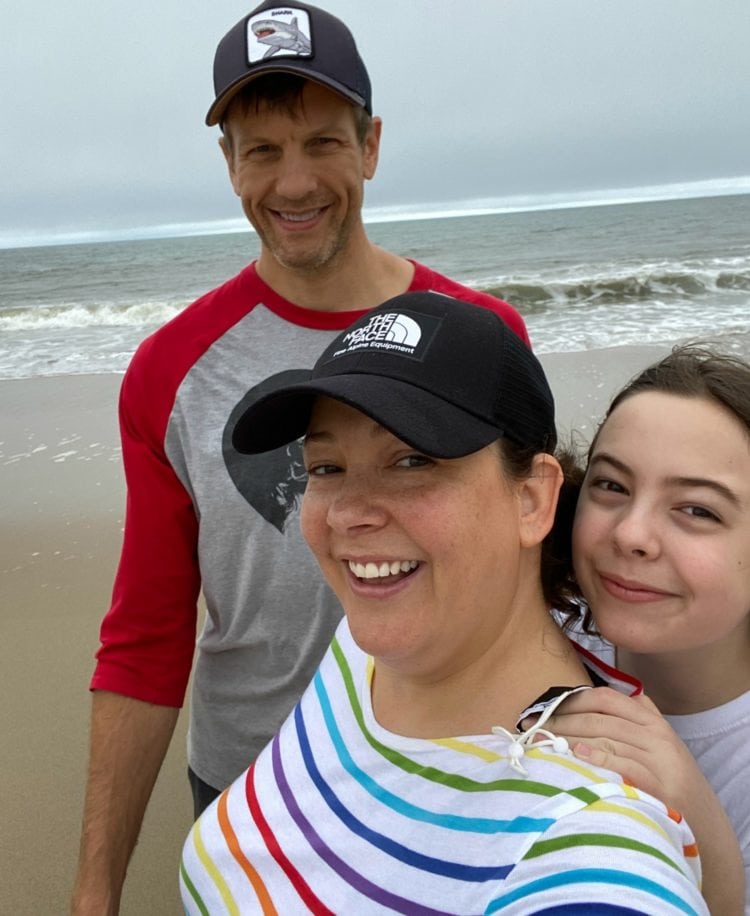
[(583, 278)]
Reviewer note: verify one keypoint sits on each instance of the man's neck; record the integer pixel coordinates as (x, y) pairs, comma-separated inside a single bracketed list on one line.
[(360, 279)]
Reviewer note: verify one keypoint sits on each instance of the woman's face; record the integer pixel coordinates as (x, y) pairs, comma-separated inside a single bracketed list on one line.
[(661, 539), (426, 555)]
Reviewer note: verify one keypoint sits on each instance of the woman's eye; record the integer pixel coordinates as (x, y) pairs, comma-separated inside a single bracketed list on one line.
[(322, 470), (414, 461)]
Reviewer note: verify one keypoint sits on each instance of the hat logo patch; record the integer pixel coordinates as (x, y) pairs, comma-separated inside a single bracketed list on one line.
[(392, 331), (278, 32)]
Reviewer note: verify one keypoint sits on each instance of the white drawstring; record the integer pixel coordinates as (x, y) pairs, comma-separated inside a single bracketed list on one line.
[(521, 741)]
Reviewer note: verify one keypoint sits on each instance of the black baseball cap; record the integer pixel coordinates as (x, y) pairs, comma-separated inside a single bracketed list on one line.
[(442, 375), (299, 39)]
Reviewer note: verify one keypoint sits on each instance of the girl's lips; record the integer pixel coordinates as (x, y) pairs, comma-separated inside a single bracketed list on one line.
[(630, 590)]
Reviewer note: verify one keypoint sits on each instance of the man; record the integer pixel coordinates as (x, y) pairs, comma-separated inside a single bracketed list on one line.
[(293, 99)]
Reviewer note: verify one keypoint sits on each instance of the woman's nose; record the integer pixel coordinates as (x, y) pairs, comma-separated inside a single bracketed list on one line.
[(358, 502)]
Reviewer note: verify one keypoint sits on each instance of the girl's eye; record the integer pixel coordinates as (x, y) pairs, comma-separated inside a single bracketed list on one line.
[(700, 512), (607, 484), (414, 461)]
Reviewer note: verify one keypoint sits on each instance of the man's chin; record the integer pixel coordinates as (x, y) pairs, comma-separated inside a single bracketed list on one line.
[(303, 259)]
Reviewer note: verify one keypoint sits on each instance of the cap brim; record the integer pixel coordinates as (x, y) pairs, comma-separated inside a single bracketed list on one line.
[(217, 111), (425, 422)]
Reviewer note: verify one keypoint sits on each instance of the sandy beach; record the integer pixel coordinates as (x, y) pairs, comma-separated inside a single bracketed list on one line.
[(62, 495)]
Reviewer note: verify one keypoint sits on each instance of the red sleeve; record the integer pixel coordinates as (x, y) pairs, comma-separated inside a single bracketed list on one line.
[(424, 278), (148, 634)]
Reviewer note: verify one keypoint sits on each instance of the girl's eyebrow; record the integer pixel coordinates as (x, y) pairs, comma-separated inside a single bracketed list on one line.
[(719, 488), (609, 459)]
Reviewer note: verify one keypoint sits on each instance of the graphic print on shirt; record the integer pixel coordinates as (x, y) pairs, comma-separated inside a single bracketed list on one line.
[(273, 482)]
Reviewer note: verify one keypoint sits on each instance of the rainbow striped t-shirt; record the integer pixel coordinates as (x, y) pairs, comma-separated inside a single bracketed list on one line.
[(338, 815)]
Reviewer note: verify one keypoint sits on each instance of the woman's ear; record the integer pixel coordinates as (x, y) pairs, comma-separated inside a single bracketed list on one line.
[(538, 499)]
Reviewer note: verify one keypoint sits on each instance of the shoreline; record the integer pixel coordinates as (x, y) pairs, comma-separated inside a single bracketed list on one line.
[(410, 212)]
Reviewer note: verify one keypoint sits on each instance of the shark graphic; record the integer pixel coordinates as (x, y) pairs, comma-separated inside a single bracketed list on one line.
[(273, 482), (281, 36)]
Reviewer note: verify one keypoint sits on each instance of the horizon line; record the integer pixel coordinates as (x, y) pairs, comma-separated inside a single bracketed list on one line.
[(393, 213)]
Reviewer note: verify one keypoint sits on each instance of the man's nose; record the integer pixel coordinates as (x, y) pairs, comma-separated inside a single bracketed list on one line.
[(296, 177)]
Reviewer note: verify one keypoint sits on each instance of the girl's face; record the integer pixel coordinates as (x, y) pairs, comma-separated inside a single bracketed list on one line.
[(661, 539), (429, 557)]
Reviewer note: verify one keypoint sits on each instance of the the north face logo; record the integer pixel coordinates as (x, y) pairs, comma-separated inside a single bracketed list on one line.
[(392, 327)]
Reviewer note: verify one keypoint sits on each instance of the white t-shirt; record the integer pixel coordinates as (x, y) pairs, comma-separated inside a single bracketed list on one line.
[(719, 739)]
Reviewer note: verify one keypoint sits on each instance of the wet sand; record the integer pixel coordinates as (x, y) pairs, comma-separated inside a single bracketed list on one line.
[(62, 498)]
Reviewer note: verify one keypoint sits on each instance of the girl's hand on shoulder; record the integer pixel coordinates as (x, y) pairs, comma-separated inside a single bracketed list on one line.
[(630, 736)]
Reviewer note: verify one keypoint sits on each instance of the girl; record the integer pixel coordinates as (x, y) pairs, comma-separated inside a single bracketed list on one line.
[(661, 545)]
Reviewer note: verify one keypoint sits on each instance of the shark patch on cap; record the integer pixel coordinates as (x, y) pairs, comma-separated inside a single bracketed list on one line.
[(280, 32), (299, 40)]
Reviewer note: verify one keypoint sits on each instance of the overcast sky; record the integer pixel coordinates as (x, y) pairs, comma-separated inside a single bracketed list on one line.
[(102, 103)]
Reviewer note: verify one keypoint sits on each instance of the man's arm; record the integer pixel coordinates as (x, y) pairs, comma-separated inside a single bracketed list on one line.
[(129, 739)]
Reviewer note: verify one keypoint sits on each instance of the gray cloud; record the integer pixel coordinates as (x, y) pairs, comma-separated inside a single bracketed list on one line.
[(103, 105)]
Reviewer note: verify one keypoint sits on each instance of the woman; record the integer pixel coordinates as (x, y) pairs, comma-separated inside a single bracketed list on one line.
[(400, 783), (662, 556)]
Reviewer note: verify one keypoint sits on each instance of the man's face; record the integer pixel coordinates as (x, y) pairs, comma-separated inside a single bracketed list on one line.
[(301, 176)]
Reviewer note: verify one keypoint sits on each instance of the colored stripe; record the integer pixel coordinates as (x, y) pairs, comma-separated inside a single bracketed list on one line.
[(452, 780), (472, 750), (588, 909), (605, 876), (356, 880), (234, 847), (406, 809), (637, 816), (193, 892), (401, 853), (213, 872), (575, 766), (611, 674), (298, 882), (690, 850), (543, 847)]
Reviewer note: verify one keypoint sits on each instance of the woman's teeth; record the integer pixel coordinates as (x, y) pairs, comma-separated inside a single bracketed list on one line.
[(381, 570)]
